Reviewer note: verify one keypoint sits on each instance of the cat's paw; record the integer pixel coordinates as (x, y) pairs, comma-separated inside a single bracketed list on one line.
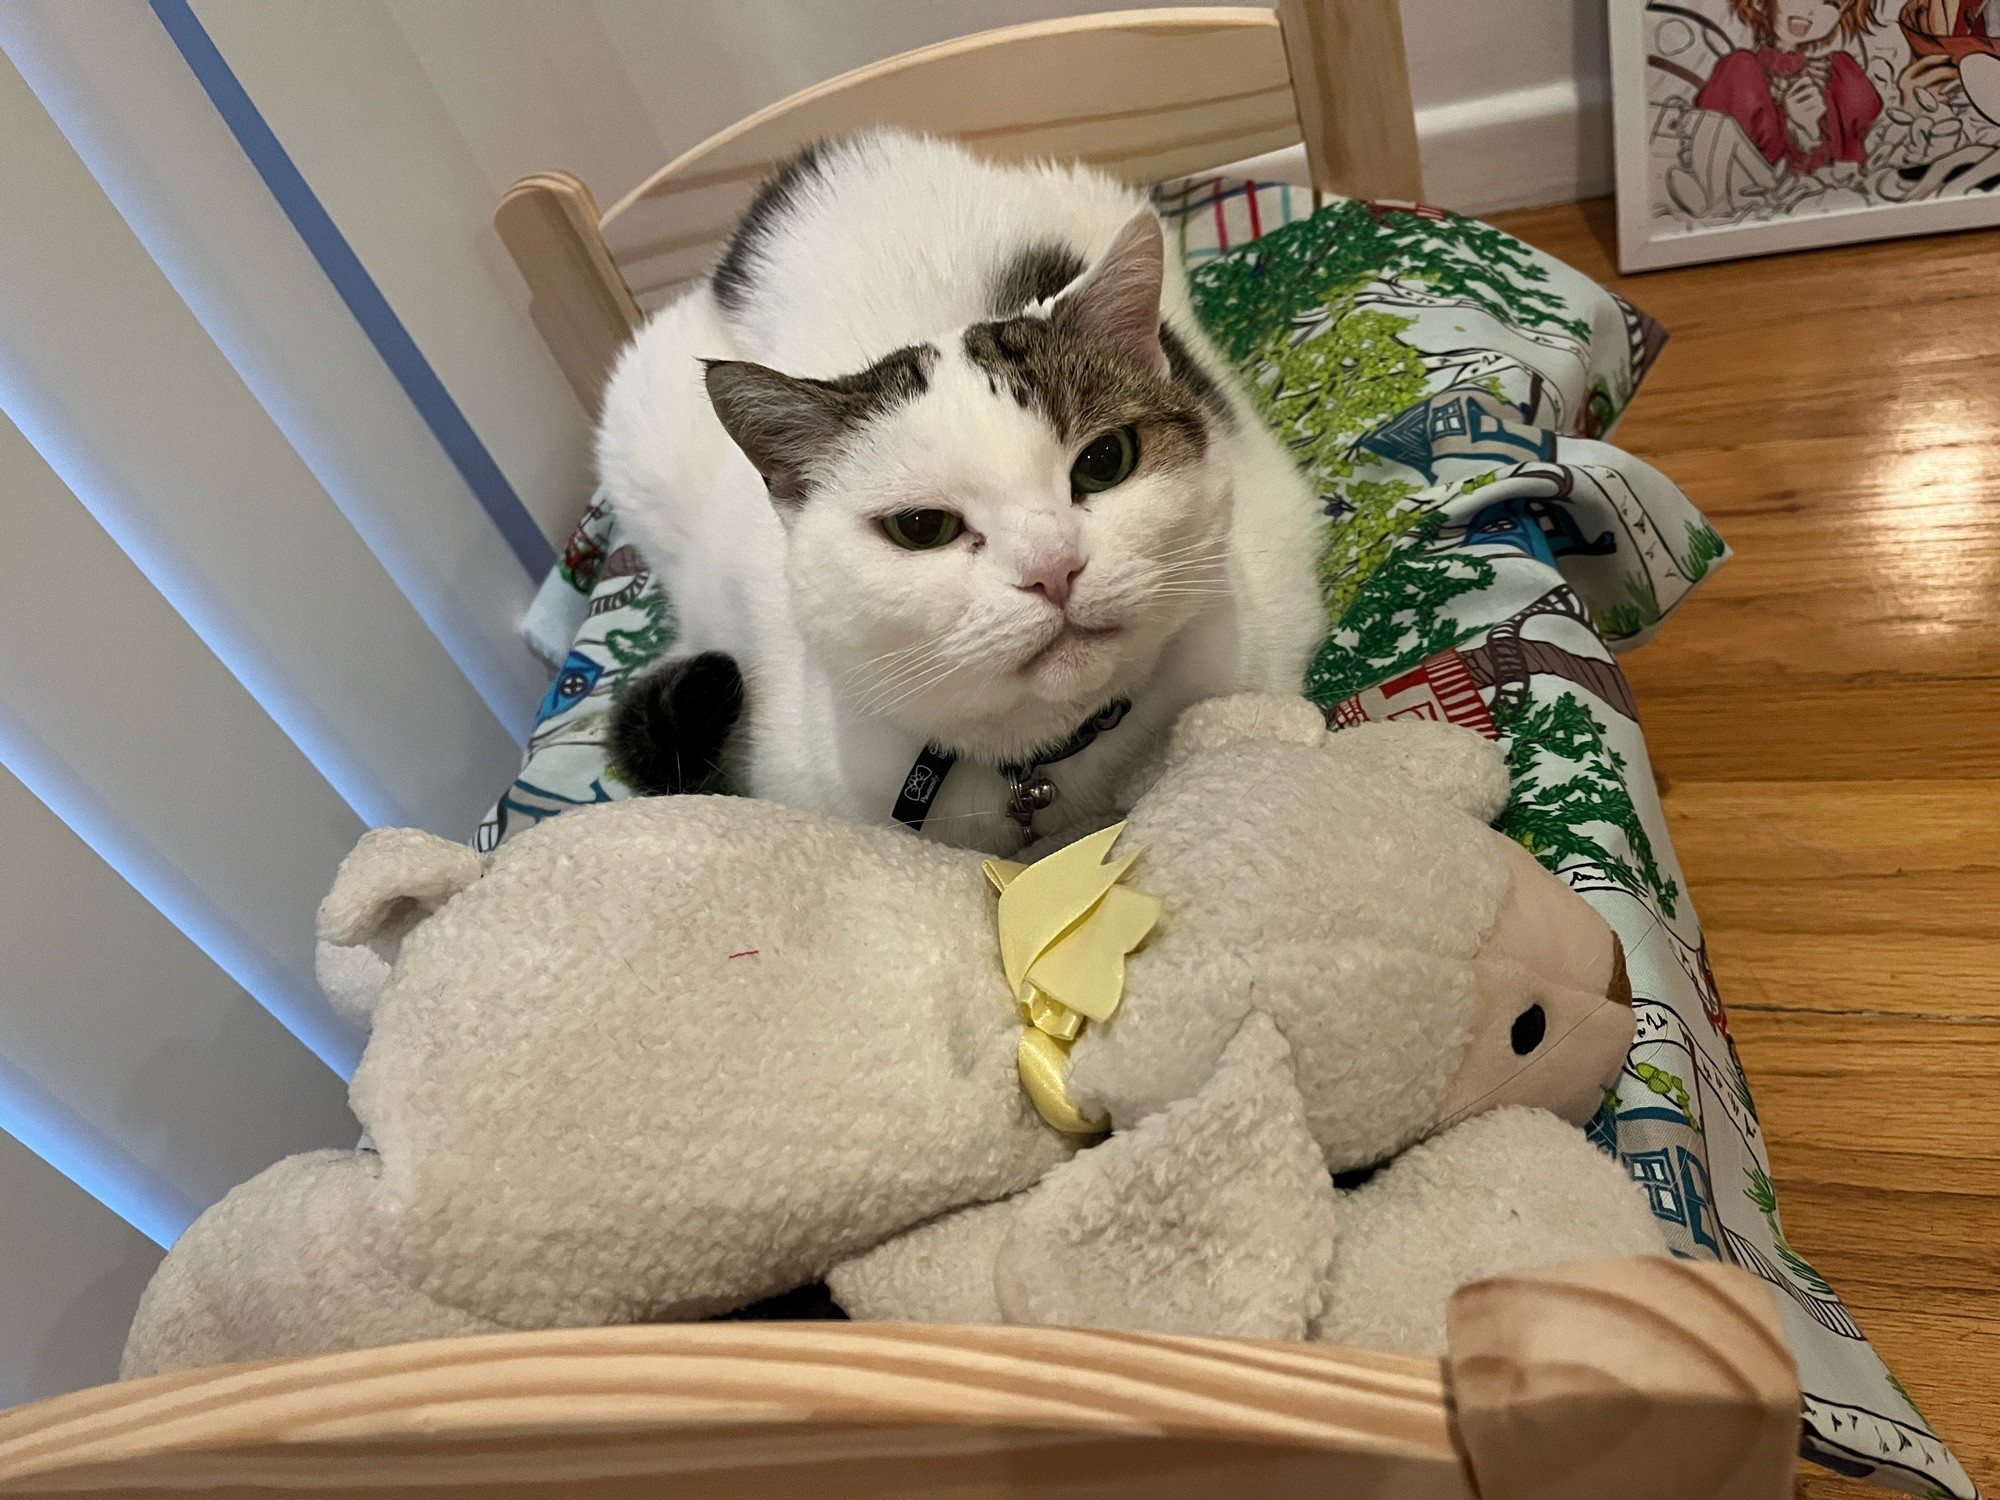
[(668, 730)]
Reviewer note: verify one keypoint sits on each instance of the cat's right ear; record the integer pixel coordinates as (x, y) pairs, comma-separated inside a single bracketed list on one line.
[(784, 425)]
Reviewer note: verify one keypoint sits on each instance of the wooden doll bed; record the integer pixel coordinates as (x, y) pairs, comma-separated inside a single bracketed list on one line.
[(1537, 1394)]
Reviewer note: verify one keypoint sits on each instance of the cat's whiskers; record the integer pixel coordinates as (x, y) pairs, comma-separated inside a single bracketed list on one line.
[(893, 659), (923, 685), (892, 668), (922, 670), (897, 686)]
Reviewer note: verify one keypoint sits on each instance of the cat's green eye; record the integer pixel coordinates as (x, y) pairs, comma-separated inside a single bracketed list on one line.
[(1107, 460), (921, 530)]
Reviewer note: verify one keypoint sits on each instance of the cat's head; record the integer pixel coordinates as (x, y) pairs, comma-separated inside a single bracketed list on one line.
[(992, 535)]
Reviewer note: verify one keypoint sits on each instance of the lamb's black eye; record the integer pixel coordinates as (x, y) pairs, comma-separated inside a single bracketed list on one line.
[(921, 530), (1530, 1026), (1107, 460)]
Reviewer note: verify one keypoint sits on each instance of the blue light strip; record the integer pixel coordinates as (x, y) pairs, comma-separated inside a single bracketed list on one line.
[(90, 1159), (357, 288)]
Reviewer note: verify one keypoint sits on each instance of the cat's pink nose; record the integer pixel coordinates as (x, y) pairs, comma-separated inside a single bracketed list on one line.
[(1052, 580)]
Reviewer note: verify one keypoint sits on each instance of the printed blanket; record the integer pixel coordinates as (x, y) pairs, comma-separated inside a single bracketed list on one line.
[(1448, 391)]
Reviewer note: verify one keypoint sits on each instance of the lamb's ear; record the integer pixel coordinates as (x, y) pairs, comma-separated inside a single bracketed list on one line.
[(939, 1272), (784, 425), (1215, 722), (391, 881), (1116, 303), (1214, 1216)]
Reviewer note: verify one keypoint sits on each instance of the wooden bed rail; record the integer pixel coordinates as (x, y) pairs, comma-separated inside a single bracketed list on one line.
[(1650, 1379), (1146, 95)]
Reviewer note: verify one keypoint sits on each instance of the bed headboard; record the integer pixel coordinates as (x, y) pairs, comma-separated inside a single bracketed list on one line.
[(1147, 95)]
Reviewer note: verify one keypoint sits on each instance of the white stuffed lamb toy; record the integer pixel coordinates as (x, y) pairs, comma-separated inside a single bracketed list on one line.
[(663, 1058)]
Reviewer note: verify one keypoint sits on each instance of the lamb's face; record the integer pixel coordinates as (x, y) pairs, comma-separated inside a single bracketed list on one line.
[(1405, 949), (1552, 1005)]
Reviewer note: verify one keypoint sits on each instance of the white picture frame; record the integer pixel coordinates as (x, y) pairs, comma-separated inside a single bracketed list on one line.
[(1694, 186)]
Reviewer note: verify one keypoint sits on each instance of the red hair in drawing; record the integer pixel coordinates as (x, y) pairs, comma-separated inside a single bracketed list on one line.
[(1761, 16)]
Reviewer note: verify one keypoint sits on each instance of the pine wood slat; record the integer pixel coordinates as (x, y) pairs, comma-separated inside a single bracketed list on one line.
[(1143, 94), (736, 1409)]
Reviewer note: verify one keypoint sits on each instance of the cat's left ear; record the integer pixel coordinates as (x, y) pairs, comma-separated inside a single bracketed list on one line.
[(1117, 301), (784, 425)]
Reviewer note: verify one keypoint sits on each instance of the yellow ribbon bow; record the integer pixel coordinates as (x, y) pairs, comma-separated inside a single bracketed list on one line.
[(1066, 925)]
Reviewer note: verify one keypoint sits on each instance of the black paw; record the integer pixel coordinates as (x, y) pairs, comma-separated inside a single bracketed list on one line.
[(668, 730)]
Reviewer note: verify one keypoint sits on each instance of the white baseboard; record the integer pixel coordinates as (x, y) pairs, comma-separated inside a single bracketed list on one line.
[(1548, 144)]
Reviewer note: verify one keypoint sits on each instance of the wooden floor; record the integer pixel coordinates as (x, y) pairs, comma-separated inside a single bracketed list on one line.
[(1826, 717)]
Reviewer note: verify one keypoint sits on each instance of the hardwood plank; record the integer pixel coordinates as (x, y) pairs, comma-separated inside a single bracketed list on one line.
[(1826, 715), (1854, 634), (1774, 291), (1925, 973), (1890, 1186), (1759, 731), (1902, 587), (1842, 857), (1839, 829), (1875, 1101)]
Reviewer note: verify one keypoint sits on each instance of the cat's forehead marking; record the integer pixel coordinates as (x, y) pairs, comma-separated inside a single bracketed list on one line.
[(1046, 363), (1032, 275), (900, 376)]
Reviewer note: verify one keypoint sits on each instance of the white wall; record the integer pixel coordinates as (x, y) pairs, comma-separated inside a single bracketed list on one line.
[(1512, 100)]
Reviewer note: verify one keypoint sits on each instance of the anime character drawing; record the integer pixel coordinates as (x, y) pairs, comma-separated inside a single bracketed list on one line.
[(1799, 95), (1769, 108)]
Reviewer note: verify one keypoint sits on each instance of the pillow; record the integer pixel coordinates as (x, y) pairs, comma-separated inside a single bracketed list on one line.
[(1448, 391)]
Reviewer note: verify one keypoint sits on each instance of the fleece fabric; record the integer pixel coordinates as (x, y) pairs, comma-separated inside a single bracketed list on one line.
[(1214, 1216), (659, 1059), (1505, 1190)]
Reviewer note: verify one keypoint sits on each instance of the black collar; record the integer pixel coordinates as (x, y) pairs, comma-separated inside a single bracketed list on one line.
[(1030, 790)]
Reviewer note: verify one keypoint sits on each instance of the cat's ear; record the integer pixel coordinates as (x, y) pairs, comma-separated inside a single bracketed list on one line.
[(784, 425), (1117, 301)]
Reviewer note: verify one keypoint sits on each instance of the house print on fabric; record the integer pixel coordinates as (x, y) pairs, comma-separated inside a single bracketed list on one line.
[(1766, 110)]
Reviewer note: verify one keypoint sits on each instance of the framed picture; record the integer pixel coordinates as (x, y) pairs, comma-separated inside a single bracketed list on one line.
[(1750, 126)]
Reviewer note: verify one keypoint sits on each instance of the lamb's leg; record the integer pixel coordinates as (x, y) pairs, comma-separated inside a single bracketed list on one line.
[(1507, 1190), (273, 1270), (1213, 1216), (940, 1272)]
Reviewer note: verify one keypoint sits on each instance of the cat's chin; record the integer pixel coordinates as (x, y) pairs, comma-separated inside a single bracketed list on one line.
[(1077, 653)]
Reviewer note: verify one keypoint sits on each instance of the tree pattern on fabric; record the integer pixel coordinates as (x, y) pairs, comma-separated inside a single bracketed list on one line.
[(1397, 615), (635, 647), (1761, 1193), (1363, 535), (1551, 813), (1351, 243), (1330, 376), (1317, 383)]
